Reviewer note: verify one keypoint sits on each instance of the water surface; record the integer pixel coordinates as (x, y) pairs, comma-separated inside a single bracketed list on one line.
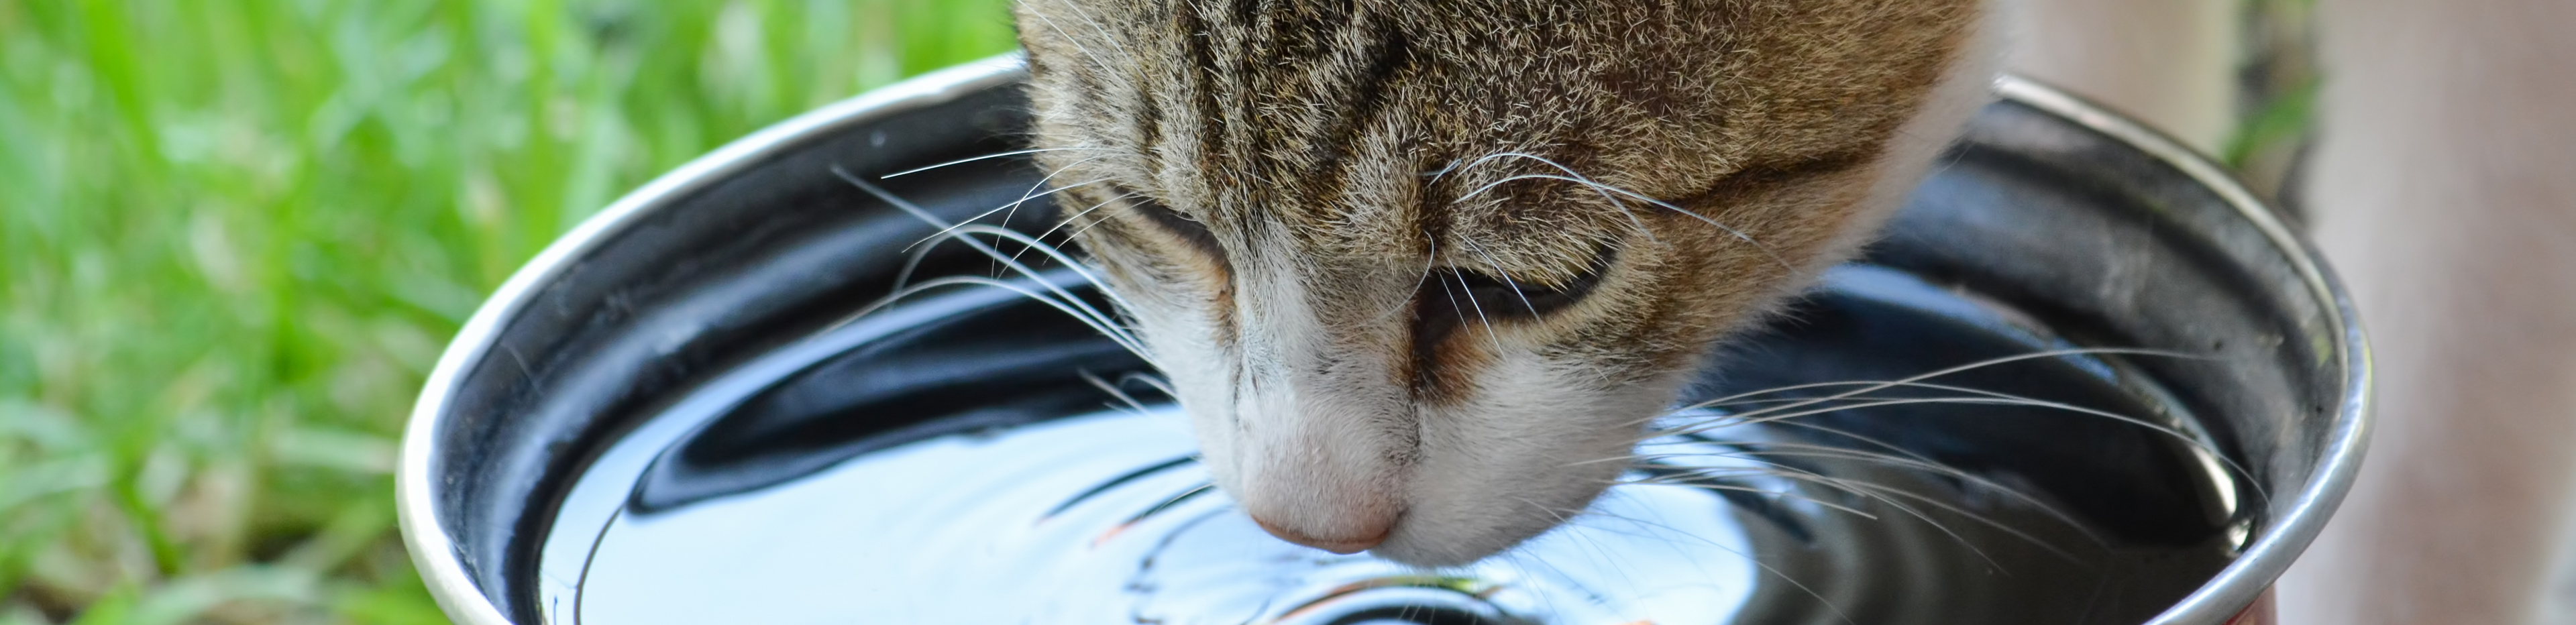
[(957, 460)]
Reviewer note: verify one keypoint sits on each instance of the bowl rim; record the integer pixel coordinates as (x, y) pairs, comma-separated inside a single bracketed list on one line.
[(2232, 590)]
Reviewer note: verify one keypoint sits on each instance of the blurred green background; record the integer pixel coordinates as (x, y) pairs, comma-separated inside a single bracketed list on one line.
[(235, 235)]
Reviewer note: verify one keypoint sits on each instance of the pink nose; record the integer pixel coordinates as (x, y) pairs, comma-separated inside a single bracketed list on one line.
[(1335, 544)]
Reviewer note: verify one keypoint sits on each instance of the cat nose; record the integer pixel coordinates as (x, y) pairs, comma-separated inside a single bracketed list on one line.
[(1370, 537)]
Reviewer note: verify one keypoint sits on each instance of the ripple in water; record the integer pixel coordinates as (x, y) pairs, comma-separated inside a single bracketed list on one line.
[(952, 461)]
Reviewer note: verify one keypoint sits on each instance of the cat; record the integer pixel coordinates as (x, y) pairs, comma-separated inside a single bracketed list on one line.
[(1415, 268)]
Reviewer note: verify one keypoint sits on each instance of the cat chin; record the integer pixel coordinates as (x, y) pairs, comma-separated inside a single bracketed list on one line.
[(1458, 531), (1513, 463)]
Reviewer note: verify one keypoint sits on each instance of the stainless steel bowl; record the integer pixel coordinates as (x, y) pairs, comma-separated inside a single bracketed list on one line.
[(2053, 220)]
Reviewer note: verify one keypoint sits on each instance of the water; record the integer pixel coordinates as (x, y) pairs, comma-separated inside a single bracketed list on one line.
[(956, 460)]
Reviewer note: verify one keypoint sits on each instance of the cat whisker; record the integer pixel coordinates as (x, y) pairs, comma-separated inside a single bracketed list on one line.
[(1032, 194), (1893, 452), (1499, 273), (1052, 253), (1640, 528), (1579, 178), (1703, 480), (1748, 398), (1829, 452), (1451, 291), (2033, 401), (1693, 438), (1854, 404), (1738, 420), (1114, 390), (995, 155), (1739, 234), (1070, 304), (1988, 398), (1159, 384), (1444, 170), (1430, 263), (1999, 526), (912, 260), (1011, 206), (1879, 493), (1871, 386), (963, 235), (954, 232), (1069, 219), (1749, 558), (1490, 333), (1561, 514), (1113, 333), (1890, 447), (1916, 461), (960, 234), (1573, 517), (1764, 415), (1787, 472), (1076, 233), (1799, 450), (1569, 526)]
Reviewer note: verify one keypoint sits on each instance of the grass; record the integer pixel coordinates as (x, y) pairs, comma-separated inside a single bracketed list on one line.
[(235, 235)]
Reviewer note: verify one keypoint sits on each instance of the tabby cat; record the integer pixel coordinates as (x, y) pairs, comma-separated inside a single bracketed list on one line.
[(1417, 268)]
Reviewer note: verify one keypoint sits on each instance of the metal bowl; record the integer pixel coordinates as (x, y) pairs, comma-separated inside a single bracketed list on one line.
[(2052, 219)]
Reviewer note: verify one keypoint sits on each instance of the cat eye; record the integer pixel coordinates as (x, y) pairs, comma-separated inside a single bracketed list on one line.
[(1191, 231), (1500, 297), (1451, 298)]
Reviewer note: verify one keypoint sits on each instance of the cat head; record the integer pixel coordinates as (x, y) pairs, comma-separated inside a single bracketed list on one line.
[(1420, 271)]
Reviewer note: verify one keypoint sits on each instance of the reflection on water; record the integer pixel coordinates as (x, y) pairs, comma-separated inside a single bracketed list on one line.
[(949, 462)]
